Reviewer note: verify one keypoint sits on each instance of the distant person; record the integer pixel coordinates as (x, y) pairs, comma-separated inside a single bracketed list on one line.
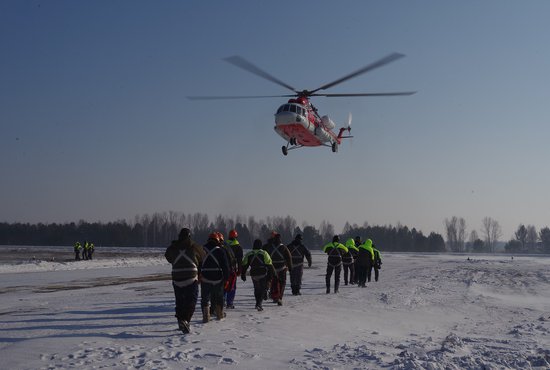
[(282, 261), (365, 260), (91, 251), (348, 261), (261, 271), (77, 249), (236, 266), (377, 262), (185, 256), (85, 251), (334, 250), (298, 251), (215, 272)]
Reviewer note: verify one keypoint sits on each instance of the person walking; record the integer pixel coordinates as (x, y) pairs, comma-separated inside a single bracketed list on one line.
[(365, 259), (215, 271), (282, 261), (334, 250), (377, 262), (185, 256), (77, 249), (261, 271), (236, 266), (298, 251), (348, 261)]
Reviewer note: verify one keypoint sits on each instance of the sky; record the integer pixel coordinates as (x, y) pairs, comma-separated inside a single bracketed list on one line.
[(96, 125)]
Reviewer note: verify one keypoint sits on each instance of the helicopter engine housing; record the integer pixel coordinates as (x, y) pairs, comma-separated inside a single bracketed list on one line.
[(327, 123)]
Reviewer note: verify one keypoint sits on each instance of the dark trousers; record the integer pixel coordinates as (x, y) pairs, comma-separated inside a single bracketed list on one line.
[(278, 284), (77, 255), (260, 287), (212, 293), (361, 274), (369, 271), (186, 299), (375, 273), (296, 278), (351, 269), (336, 270)]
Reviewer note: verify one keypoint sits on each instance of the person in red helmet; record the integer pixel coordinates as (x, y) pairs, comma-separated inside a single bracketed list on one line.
[(185, 256), (215, 271), (282, 261), (235, 248)]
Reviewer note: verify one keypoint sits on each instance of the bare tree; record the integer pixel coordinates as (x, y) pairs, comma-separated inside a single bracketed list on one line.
[(521, 236), (456, 233), (491, 231), (532, 238), (326, 230), (472, 239)]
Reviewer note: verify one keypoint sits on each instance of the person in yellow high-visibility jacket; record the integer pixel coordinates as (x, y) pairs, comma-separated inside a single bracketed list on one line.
[(365, 260), (334, 250)]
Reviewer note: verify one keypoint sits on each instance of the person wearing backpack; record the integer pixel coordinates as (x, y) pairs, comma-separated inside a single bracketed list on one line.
[(282, 261), (236, 250), (377, 262), (298, 251), (215, 271), (261, 271), (365, 260), (185, 256), (348, 261), (334, 250)]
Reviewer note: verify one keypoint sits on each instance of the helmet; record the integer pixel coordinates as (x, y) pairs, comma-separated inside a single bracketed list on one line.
[(335, 238), (298, 237), (233, 234), (274, 234), (214, 236)]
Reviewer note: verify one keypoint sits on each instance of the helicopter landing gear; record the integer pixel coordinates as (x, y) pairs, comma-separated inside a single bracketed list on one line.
[(334, 147), (293, 145)]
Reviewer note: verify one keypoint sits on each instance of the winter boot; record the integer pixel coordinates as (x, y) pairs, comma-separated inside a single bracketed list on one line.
[(218, 309), (205, 314), (183, 326), (328, 290)]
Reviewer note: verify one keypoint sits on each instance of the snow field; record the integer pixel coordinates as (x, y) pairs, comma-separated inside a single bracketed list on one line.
[(426, 312)]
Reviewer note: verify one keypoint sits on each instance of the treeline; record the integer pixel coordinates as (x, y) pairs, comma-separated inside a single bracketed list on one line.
[(159, 229)]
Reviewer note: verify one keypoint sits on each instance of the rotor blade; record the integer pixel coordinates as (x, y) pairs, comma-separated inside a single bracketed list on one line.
[(367, 94), (388, 59), (247, 66), (237, 97)]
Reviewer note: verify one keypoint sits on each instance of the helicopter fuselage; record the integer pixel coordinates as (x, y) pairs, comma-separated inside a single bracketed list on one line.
[(298, 121)]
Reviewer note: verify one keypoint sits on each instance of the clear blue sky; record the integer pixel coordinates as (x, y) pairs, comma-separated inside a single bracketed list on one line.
[(95, 123)]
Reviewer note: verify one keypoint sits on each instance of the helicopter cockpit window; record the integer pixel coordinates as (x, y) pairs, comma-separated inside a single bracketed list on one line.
[(293, 108)]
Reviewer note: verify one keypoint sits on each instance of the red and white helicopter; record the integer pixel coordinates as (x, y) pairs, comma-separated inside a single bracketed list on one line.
[(298, 121)]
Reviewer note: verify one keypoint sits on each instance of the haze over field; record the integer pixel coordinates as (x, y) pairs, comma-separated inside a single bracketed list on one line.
[(96, 125)]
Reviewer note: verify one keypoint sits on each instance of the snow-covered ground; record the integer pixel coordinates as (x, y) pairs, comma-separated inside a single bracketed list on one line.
[(426, 312)]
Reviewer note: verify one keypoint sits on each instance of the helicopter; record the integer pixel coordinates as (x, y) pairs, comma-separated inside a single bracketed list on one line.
[(298, 121)]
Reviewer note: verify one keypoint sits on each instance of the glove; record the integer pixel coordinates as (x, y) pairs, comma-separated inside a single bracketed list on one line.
[(243, 277)]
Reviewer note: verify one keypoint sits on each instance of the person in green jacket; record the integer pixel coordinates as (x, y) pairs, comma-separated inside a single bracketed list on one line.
[(77, 249), (377, 262), (261, 271), (348, 261), (334, 250), (365, 260)]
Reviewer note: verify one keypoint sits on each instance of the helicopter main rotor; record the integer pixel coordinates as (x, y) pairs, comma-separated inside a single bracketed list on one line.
[(250, 67)]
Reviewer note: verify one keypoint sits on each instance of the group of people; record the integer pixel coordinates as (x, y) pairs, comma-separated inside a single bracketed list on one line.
[(86, 250), (357, 258), (214, 267)]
